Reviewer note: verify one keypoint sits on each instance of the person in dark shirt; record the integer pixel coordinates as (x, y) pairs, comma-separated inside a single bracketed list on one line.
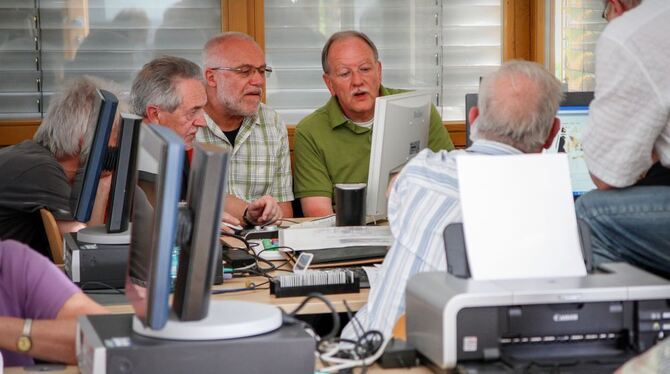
[(38, 173)]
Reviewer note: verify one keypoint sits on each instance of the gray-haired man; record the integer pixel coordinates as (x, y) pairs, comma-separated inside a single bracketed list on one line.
[(170, 91), (516, 114), (39, 173)]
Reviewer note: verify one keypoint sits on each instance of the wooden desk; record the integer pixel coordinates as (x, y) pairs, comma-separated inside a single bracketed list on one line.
[(117, 303)]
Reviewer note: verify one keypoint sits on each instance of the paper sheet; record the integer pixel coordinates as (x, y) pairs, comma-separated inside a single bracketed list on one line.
[(519, 217)]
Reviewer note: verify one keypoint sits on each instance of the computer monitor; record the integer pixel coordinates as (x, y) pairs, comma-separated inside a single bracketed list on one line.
[(85, 185), (573, 113), (198, 256), (400, 132), (121, 161), (195, 228), (123, 178), (154, 230)]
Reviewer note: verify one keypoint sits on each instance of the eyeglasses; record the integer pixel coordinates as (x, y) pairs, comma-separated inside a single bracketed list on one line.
[(605, 11), (245, 71)]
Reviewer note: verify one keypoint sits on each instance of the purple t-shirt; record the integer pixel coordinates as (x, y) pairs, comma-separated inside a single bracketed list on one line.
[(30, 287)]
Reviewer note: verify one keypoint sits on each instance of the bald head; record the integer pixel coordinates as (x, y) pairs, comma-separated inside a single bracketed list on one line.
[(222, 46), (517, 105)]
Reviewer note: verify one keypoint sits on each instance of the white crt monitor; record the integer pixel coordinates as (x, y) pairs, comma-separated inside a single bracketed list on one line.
[(400, 132)]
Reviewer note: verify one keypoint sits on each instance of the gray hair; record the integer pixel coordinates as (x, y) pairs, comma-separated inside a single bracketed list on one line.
[(209, 60), (155, 84), (517, 105), (345, 35), (72, 115)]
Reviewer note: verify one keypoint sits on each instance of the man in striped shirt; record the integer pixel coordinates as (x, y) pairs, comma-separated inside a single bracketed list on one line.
[(260, 164), (516, 113)]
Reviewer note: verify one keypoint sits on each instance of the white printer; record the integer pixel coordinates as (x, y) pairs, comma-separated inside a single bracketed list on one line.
[(605, 317)]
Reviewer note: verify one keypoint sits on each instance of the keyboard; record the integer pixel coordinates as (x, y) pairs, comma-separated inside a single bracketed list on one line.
[(345, 254)]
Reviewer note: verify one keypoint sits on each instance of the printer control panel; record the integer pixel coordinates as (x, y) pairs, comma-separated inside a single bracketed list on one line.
[(653, 322)]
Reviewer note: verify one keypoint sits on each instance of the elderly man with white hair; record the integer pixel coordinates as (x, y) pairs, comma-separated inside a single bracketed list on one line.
[(39, 173), (516, 114)]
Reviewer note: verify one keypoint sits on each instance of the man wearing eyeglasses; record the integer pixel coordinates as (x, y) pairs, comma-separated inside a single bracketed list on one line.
[(260, 166), (332, 145), (627, 139)]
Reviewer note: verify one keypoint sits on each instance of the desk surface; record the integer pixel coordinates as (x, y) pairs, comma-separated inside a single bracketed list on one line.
[(75, 370), (116, 303)]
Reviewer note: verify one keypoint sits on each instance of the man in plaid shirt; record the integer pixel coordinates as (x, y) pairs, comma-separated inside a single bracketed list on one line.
[(260, 165)]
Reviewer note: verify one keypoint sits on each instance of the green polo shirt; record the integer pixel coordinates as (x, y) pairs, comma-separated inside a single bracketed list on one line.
[(330, 149)]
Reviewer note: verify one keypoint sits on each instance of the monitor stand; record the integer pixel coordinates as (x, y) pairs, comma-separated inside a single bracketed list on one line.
[(98, 234), (227, 319)]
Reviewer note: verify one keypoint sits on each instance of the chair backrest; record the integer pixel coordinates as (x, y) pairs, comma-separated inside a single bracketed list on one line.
[(53, 235)]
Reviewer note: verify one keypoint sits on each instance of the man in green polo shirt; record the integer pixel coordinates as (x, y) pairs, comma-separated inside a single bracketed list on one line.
[(332, 145)]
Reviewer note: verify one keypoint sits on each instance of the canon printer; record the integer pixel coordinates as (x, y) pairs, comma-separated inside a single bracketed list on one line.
[(534, 325)]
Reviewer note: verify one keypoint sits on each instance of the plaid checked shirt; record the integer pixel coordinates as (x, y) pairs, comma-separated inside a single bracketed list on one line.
[(260, 162)]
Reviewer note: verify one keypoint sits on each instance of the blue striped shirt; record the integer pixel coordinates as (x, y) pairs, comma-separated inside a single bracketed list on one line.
[(423, 201)]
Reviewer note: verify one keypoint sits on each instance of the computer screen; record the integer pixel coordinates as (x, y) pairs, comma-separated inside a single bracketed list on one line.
[(123, 178), (198, 255), (569, 141), (153, 231), (400, 132), (573, 113), (87, 177), (194, 228)]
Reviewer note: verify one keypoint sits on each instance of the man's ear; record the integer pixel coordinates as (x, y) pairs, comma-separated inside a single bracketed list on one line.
[(379, 66), (329, 83), (472, 115), (555, 126), (209, 77), (152, 114)]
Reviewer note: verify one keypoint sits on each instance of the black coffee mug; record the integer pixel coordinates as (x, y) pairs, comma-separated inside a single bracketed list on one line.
[(350, 204)]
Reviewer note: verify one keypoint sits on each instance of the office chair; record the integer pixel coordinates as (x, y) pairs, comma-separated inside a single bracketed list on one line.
[(53, 235)]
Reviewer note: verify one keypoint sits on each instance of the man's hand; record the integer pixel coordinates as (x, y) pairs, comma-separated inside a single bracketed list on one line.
[(263, 211), (229, 219)]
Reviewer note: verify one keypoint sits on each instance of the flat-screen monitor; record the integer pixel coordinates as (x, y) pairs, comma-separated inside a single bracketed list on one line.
[(573, 113), (193, 227), (153, 231), (198, 253), (85, 185), (400, 132), (123, 178)]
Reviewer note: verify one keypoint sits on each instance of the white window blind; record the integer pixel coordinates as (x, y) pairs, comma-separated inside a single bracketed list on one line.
[(441, 45), (43, 42), (471, 47), (578, 26)]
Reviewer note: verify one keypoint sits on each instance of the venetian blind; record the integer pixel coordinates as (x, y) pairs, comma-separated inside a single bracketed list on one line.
[(43, 42), (441, 45), (578, 27)]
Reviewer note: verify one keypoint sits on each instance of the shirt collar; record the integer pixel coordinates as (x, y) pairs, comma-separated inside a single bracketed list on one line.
[(489, 147), (247, 121)]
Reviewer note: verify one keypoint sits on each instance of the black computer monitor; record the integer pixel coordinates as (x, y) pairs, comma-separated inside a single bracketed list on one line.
[(153, 232), (85, 185), (124, 175), (198, 255), (193, 227)]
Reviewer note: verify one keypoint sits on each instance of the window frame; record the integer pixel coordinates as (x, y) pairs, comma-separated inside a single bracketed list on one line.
[(523, 37)]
